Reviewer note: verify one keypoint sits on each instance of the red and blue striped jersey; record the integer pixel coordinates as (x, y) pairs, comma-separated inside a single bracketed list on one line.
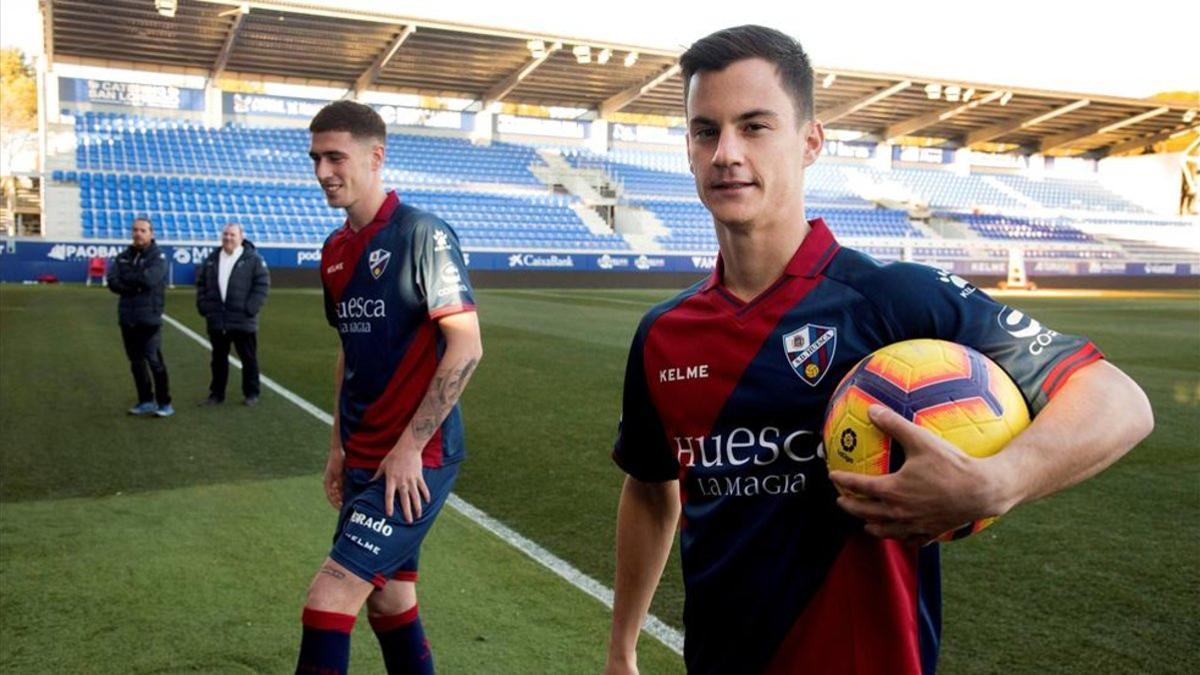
[(729, 397), (386, 286)]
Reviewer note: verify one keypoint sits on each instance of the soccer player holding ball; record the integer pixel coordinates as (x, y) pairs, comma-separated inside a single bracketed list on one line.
[(726, 389)]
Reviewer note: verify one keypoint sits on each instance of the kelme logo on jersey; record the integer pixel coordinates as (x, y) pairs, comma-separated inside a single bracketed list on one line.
[(809, 351), (378, 261), (962, 285), (441, 241)]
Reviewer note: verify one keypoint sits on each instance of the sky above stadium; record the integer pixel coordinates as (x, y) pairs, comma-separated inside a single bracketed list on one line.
[(1137, 50)]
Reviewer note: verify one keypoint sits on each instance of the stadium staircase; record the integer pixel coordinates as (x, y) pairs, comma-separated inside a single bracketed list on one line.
[(600, 207), (1011, 192), (20, 205), (1151, 252)]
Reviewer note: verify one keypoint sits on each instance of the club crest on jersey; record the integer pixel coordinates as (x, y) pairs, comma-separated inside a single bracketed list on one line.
[(378, 261), (809, 351)]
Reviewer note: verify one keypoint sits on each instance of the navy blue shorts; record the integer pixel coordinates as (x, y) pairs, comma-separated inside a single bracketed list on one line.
[(377, 548)]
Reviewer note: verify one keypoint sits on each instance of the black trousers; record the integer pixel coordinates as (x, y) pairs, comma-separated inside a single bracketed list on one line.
[(246, 345), (143, 346)]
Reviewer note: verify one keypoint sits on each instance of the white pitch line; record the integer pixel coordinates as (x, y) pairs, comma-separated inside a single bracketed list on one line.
[(270, 384), (654, 627)]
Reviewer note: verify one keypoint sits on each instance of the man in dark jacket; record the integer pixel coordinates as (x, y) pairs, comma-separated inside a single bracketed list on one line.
[(139, 276), (231, 288)]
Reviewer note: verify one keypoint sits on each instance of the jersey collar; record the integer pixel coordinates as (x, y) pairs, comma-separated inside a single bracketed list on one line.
[(382, 216), (810, 259)]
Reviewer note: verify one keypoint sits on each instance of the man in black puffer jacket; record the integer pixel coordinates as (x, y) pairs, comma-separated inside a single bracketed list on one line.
[(231, 288), (139, 276)]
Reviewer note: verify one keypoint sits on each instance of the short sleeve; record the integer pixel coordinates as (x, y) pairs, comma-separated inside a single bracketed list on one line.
[(924, 302), (441, 271), (641, 448)]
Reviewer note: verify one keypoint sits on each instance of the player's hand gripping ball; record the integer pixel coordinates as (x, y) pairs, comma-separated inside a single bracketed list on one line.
[(947, 388)]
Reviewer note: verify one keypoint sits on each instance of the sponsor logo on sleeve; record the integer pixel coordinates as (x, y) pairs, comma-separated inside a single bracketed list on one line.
[(1024, 327), (450, 273)]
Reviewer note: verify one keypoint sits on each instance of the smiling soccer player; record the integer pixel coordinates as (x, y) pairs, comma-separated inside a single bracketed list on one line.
[(397, 292), (726, 388)]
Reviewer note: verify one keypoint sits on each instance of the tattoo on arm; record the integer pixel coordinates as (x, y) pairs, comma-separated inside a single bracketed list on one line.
[(447, 386)]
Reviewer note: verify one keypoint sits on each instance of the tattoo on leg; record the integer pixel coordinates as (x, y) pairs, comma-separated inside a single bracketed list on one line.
[(336, 574)]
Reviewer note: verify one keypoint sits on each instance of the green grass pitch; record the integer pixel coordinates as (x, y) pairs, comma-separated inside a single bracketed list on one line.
[(185, 545)]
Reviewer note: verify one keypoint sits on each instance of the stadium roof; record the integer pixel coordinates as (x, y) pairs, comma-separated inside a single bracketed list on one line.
[(298, 43)]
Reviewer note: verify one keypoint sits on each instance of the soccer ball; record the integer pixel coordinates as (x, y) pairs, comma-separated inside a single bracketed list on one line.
[(947, 388)]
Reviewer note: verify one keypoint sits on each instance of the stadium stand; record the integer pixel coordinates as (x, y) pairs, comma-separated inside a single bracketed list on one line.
[(690, 224), (192, 208), (191, 180), (162, 168), (1068, 193), (941, 188), (111, 142), (652, 173), (1028, 229)]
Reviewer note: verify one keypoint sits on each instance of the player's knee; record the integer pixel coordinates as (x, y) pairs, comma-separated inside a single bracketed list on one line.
[(394, 598)]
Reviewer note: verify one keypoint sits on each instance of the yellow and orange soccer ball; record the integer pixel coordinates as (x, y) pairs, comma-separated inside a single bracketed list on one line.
[(947, 388)]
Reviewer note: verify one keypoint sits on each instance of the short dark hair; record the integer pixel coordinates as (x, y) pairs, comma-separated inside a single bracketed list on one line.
[(360, 120), (142, 219), (724, 47)]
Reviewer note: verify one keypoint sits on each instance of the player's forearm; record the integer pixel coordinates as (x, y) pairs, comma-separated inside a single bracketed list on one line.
[(1097, 416), (462, 355), (646, 520)]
